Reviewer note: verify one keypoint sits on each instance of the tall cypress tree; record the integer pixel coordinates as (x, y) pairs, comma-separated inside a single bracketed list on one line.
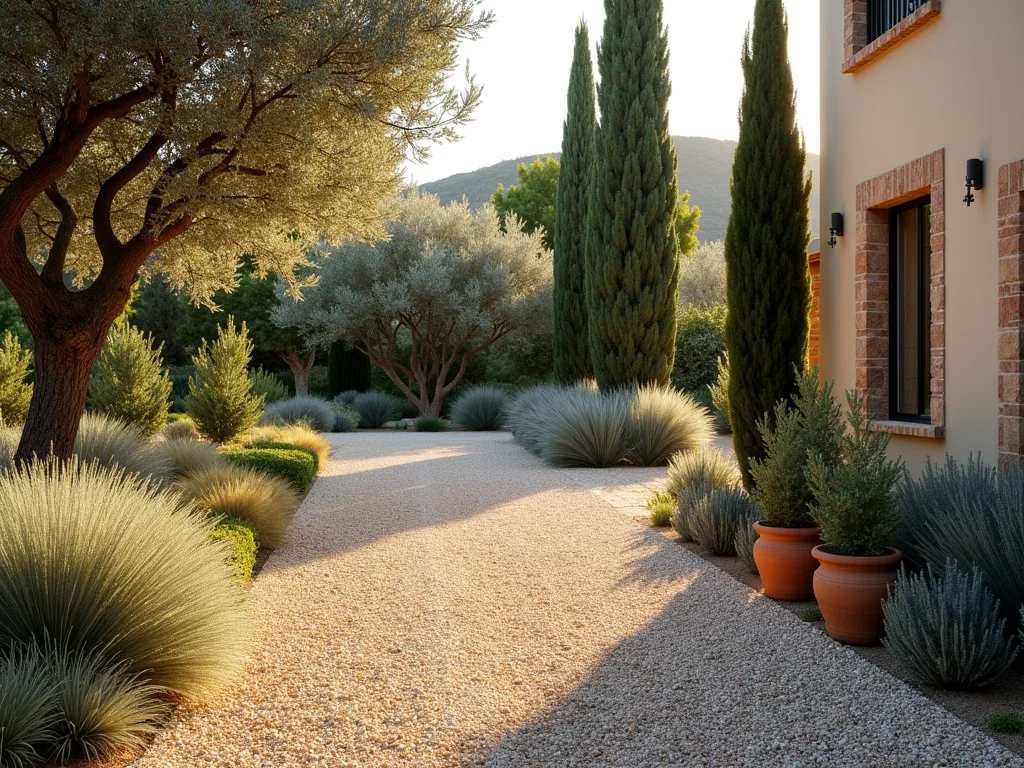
[(632, 259), (572, 345), (769, 289)]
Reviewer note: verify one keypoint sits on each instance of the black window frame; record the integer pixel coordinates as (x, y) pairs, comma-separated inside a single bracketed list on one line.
[(883, 15), (924, 324)]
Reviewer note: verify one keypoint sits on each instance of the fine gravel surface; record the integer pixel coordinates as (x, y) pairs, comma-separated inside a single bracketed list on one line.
[(447, 600)]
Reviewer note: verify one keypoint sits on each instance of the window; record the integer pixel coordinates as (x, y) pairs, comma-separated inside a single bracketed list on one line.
[(910, 311), (883, 15)]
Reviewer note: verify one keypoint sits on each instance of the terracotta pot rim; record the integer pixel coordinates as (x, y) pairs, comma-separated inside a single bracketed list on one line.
[(876, 561), (778, 531)]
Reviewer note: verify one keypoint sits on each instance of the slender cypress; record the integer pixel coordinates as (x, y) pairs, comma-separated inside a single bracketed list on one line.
[(572, 345), (769, 288), (632, 254)]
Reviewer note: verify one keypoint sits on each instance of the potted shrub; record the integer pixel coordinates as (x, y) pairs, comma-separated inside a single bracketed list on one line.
[(855, 505), (786, 531)]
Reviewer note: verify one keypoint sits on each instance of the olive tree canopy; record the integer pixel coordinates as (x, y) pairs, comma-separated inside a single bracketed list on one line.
[(184, 133), (445, 285)]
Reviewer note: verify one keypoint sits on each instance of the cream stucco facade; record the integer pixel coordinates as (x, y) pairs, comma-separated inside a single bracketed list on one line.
[(950, 89)]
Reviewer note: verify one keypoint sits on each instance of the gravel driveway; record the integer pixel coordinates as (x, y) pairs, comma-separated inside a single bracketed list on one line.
[(449, 601)]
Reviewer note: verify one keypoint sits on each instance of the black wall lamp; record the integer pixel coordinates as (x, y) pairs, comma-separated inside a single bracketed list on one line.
[(975, 179), (836, 230)]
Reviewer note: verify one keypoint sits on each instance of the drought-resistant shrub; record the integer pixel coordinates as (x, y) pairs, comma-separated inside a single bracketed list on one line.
[(267, 502), (480, 409), (854, 498), (277, 445), (295, 466), (267, 385), (946, 630), (375, 409), (112, 443), (15, 391), (304, 409), (1005, 722), (28, 705), (811, 615), (967, 514), (243, 540), (689, 499), (720, 395), (346, 418), (700, 346), (715, 520), (664, 422), (709, 465), (811, 427), (746, 537), (102, 709), (661, 506), (98, 562), (129, 382), (296, 436), (186, 457), (347, 397), (702, 277), (521, 414), (220, 399), (583, 428), (180, 429), (430, 424)]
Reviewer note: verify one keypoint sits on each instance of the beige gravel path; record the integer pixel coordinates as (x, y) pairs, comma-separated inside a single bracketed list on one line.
[(448, 601)]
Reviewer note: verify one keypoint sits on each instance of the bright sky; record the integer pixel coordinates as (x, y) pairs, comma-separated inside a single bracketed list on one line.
[(523, 62)]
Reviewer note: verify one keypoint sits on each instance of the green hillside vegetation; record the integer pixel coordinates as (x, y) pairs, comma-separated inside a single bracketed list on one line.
[(704, 169)]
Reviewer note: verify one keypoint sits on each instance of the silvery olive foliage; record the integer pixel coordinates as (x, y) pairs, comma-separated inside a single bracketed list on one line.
[(445, 284), (213, 128)]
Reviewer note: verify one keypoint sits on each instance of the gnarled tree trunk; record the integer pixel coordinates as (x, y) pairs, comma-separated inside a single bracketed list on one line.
[(300, 366)]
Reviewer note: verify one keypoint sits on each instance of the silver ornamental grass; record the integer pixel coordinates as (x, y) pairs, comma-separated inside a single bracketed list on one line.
[(28, 706), (946, 629), (745, 539), (583, 428), (375, 409), (709, 465), (303, 409), (664, 422), (521, 414), (690, 499), (480, 409), (967, 513)]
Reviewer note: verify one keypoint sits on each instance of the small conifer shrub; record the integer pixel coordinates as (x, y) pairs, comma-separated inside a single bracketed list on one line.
[(15, 391), (129, 381)]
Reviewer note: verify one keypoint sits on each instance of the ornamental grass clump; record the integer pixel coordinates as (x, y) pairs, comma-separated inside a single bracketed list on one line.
[(186, 457), (112, 443), (346, 418), (347, 397), (28, 706), (480, 409), (220, 399), (946, 629), (691, 497), (129, 383), (522, 414), (375, 409), (811, 427), (180, 429), (267, 502), (15, 390), (710, 465), (715, 520), (664, 422), (661, 506), (969, 514), (854, 497), (97, 562), (583, 428), (430, 424), (315, 412)]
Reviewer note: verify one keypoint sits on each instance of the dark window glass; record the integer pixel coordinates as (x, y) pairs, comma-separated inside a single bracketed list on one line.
[(910, 310)]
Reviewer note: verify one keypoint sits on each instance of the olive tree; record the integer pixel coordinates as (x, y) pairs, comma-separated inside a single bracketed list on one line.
[(446, 284), (177, 136)]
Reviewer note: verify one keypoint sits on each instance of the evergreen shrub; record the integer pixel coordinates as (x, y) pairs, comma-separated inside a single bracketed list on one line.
[(15, 390), (129, 382), (242, 539), (294, 465)]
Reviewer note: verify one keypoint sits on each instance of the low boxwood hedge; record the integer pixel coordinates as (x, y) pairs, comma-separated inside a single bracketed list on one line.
[(297, 467), (277, 445), (244, 543)]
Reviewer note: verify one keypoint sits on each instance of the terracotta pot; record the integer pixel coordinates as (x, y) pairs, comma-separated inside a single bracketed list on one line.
[(850, 590), (783, 558)]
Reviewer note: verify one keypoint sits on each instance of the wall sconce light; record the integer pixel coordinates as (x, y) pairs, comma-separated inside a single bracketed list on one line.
[(975, 179), (836, 230)]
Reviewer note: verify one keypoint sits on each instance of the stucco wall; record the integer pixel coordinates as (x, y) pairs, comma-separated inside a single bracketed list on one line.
[(956, 84)]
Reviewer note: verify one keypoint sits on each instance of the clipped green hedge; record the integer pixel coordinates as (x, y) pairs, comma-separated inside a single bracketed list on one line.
[(294, 465), (244, 542), (277, 445)]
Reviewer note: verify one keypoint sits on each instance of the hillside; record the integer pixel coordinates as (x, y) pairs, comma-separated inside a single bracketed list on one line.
[(704, 168)]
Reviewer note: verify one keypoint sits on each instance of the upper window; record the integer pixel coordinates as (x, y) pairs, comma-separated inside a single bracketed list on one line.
[(883, 15), (910, 311)]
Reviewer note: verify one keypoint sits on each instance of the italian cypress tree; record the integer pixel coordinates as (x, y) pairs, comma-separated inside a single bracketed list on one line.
[(768, 283), (632, 258), (572, 345)]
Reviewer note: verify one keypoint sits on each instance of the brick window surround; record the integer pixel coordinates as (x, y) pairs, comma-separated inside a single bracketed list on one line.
[(1011, 315), (857, 52), (924, 176)]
